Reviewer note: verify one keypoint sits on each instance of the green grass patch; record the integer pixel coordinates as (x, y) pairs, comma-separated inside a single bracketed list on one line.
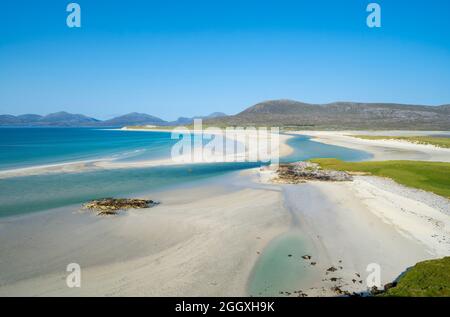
[(427, 278), (436, 141), (429, 176)]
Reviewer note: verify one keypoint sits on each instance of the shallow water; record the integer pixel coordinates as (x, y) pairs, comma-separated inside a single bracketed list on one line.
[(281, 267), (305, 149), (40, 192), (275, 272), (22, 147)]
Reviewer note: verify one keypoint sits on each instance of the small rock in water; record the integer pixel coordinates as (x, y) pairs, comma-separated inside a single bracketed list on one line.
[(331, 269), (110, 206)]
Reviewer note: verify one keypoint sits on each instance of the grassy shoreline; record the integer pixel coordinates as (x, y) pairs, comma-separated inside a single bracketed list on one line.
[(428, 278), (429, 176)]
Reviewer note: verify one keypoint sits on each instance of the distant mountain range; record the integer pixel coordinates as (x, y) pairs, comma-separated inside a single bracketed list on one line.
[(282, 113), (186, 121), (65, 119), (340, 115), (54, 119)]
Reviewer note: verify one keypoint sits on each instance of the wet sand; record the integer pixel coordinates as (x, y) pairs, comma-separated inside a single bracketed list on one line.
[(222, 236), (200, 241)]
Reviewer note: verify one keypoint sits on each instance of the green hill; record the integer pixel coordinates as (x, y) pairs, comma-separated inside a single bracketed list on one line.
[(339, 115)]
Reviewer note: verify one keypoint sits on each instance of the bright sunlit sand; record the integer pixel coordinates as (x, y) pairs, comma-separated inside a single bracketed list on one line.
[(236, 234)]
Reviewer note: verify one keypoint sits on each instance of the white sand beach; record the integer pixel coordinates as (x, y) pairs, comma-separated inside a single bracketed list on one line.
[(384, 149), (200, 241), (205, 239), (369, 220)]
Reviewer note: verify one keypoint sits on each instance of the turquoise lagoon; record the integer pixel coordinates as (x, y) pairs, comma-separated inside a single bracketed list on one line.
[(26, 147)]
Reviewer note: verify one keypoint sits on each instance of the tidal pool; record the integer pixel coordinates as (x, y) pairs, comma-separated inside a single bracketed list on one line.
[(281, 267)]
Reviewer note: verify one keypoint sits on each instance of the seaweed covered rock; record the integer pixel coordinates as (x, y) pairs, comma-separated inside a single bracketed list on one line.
[(300, 171), (110, 206)]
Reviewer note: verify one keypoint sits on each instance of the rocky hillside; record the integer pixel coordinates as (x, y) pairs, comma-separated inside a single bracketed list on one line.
[(341, 115)]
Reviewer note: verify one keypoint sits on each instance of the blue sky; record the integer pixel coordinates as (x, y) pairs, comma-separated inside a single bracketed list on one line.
[(185, 58)]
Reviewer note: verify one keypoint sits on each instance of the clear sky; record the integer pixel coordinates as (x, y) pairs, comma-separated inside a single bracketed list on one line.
[(173, 58)]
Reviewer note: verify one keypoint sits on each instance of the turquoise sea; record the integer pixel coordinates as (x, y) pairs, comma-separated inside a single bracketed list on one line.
[(26, 147), (22, 147)]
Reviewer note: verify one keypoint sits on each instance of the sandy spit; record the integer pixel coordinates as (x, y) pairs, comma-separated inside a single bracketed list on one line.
[(384, 149), (108, 163)]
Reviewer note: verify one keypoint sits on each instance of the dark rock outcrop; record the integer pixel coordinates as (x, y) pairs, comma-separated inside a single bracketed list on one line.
[(332, 269), (298, 172), (389, 285), (110, 206)]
